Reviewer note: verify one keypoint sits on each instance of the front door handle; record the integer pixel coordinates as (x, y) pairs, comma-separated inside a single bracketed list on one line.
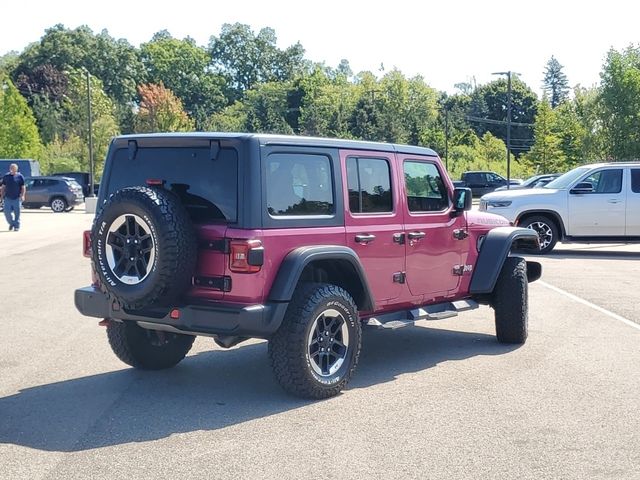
[(614, 200), (416, 235), (365, 238)]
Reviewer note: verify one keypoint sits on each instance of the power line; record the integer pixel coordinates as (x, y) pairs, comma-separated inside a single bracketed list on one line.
[(496, 122)]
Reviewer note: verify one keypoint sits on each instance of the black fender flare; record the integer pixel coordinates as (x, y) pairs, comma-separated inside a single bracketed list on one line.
[(495, 249), (295, 262)]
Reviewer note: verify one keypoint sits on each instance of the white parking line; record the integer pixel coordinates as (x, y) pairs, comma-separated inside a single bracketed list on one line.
[(589, 304)]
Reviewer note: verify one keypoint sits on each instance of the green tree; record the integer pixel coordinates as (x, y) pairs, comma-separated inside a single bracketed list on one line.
[(555, 83), (263, 109), (485, 153), (183, 67), (45, 88), (620, 101), (64, 155), (246, 59), (490, 102), (326, 101), (589, 111), (19, 136), (103, 117), (572, 133), (160, 111), (546, 155), (115, 62)]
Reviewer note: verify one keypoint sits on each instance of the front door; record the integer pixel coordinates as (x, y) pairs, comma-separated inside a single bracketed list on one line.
[(432, 250), (373, 221), (600, 213)]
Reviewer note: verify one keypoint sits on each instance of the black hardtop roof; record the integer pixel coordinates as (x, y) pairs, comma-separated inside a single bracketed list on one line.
[(269, 139)]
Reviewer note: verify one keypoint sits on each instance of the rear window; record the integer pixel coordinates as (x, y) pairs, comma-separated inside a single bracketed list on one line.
[(208, 188)]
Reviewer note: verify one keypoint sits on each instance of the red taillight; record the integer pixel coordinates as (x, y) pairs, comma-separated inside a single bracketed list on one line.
[(175, 314), (246, 256), (86, 243), (154, 182)]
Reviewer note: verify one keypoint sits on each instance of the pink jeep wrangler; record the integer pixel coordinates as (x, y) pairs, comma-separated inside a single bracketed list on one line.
[(300, 241)]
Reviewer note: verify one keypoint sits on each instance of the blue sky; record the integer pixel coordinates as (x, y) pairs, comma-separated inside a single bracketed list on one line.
[(445, 42)]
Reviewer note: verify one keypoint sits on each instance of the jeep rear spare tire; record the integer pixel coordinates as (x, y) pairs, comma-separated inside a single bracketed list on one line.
[(144, 247)]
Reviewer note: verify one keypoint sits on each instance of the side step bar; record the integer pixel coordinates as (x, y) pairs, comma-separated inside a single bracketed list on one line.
[(437, 311)]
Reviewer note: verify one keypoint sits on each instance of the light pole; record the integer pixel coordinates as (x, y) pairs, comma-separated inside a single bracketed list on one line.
[(446, 138), (508, 74), (90, 133)]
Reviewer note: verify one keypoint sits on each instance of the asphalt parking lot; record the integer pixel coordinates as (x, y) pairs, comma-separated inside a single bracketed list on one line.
[(440, 400)]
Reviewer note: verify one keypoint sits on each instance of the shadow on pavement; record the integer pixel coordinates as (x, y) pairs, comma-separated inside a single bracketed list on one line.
[(594, 254), (208, 391)]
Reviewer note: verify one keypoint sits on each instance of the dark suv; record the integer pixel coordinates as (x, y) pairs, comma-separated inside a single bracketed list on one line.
[(58, 193), (301, 241)]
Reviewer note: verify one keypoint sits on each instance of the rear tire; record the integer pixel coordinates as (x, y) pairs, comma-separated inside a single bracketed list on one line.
[(315, 351), (510, 301), (58, 204), (147, 349), (547, 231)]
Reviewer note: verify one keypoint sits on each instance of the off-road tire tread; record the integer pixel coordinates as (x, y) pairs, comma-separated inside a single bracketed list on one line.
[(510, 301), (179, 252), (125, 342), (287, 347)]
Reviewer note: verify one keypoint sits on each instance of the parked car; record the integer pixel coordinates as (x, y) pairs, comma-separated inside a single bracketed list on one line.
[(481, 183), (589, 204), (60, 193), (301, 241), (82, 178), (536, 181)]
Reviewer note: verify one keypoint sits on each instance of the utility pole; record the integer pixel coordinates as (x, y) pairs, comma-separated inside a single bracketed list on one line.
[(446, 139), (508, 74), (508, 129), (90, 133)]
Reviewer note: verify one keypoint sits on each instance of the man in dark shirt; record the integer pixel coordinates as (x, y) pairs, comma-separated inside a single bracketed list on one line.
[(12, 191)]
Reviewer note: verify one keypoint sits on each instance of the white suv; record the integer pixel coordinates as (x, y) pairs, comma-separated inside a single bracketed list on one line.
[(590, 204)]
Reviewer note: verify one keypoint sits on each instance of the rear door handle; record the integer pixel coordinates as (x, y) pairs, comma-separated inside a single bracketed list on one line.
[(613, 200), (365, 238), (416, 235)]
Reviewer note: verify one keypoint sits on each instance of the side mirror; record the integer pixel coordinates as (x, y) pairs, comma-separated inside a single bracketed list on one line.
[(582, 187), (462, 200)]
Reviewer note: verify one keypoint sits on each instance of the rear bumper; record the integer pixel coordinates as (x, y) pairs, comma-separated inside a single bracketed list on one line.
[(258, 321)]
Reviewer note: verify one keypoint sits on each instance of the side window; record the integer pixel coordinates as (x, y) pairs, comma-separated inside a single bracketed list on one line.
[(475, 178), (426, 191), (299, 184), (369, 184), (605, 181), (635, 180), (493, 178)]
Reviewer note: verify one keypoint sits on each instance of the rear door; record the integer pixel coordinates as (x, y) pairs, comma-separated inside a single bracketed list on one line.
[(633, 204), (432, 250), (602, 212), (373, 220)]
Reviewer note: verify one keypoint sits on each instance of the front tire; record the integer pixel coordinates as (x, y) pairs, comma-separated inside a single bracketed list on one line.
[(147, 349), (511, 301), (315, 351), (547, 231)]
